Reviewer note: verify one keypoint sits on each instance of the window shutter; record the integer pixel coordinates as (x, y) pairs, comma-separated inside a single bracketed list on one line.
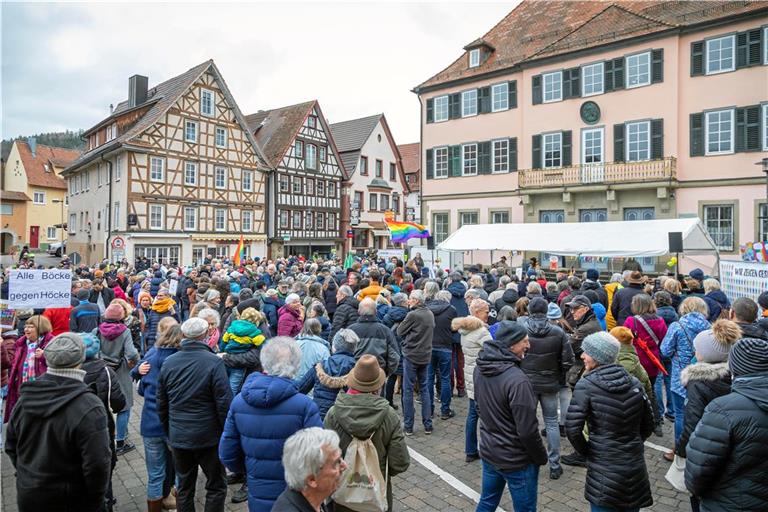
[(748, 128), (430, 164), (618, 73), (430, 110), (566, 77), (748, 46), (454, 106), (484, 157), (741, 50), (697, 134), (536, 150), (657, 139), (513, 154), (575, 83), (608, 76), (536, 88), (657, 66), (567, 148), (618, 142), (455, 160), (512, 90), (740, 116), (483, 100), (697, 58)]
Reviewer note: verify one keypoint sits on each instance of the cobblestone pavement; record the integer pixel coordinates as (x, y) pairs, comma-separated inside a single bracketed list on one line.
[(420, 488)]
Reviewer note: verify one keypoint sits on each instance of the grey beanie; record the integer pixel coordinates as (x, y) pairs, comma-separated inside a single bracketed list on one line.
[(66, 350), (709, 349), (553, 311), (748, 356), (602, 347), (194, 329)]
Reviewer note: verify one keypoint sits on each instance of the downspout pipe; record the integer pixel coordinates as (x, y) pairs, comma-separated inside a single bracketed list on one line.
[(109, 207)]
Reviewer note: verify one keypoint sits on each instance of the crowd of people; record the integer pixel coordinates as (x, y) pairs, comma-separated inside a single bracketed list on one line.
[(281, 377)]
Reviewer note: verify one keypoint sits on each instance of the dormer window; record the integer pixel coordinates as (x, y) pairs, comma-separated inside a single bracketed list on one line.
[(474, 57)]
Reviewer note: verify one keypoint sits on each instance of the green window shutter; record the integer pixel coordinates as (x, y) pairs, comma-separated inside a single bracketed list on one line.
[(512, 91), (454, 106), (483, 100), (748, 46), (566, 77), (513, 154), (484, 157), (618, 142), (696, 134), (618, 73), (741, 50), (608, 76), (536, 151), (567, 148), (657, 66), (657, 139), (430, 110), (697, 58), (430, 164), (572, 88), (455, 160), (748, 128), (536, 89)]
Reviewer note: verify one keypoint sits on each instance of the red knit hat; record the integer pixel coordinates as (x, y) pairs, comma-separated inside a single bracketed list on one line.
[(114, 312)]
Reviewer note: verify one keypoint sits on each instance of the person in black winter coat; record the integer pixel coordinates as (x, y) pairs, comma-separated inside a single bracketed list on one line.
[(396, 314), (508, 298), (728, 452), (272, 304), (330, 287), (101, 295), (744, 313), (592, 283), (620, 418), (510, 444), (346, 311), (621, 307), (458, 288), (155, 282), (442, 345)]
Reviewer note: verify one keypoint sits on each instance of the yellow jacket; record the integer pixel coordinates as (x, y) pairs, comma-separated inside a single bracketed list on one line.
[(610, 289)]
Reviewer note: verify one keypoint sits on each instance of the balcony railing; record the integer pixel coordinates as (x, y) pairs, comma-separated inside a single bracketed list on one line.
[(603, 173)]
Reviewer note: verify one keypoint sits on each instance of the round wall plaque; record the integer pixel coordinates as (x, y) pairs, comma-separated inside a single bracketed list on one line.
[(590, 112)]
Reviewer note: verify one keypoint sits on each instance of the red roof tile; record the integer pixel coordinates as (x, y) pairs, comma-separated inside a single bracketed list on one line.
[(275, 129), (39, 168), (411, 157), (10, 195)]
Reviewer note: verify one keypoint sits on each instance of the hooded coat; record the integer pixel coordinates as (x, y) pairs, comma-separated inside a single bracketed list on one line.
[(378, 340), (14, 376), (345, 315), (474, 333), (549, 357), (728, 452), (678, 345), (117, 345), (659, 328), (506, 404), (621, 305), (58, 441), (444, 314), (458, 289), (629, 360), (289, 322), (327, 379), (155, 282), (263, 415), (314, 349), (615, 408), (270, 308), (717, 302), (101, 379), (602, 295), (364, 416), (703, 383)]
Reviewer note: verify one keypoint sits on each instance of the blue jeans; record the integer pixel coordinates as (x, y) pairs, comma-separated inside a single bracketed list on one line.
[(564, 397), (157, 457), (665, 382), (549, 403), (470, 429), (441, 359), (413, 373), (678, 404), (523, 486), (236, 377), (121, 425), (598, 508)]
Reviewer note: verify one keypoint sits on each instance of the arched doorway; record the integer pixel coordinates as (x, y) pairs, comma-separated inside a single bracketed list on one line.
[(6, 242)]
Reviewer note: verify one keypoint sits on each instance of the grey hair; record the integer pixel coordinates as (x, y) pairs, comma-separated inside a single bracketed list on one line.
[(418, 296), (533, 288), (506, 313), (281, 357), (211, 294), (615, 278), (346, 291), (399, 299), (625, 275), (367, 307), (303, 454), (711, 284), (473, 293), (444, 295), (346, 340), (311, 327), (503, 281), (430, 290), (209, 314), (551, 287), (291, 298)]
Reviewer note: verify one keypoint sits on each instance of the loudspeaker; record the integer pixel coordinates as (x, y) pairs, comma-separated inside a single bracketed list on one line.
[(675, 242), (431, 243)]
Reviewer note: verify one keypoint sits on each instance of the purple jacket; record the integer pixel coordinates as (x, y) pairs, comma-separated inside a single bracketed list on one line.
[(289, 323), (14, 379), (659, 328)]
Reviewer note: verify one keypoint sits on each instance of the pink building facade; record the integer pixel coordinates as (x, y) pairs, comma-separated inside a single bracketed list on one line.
[(551, 117)]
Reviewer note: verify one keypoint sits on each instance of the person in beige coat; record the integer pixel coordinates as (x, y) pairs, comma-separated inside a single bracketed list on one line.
[(474, 332)]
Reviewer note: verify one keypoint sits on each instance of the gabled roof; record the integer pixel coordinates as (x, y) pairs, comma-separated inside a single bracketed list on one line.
[(351, 135), (538, 29), (45, 156), (159, 99), (411, 154), (275, 129), (11, 195)]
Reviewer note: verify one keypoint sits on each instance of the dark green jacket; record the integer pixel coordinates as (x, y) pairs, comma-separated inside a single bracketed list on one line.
[(629, 360)]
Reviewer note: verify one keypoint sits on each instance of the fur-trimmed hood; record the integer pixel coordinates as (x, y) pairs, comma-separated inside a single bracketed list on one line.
[(704, 371), (466, 324)]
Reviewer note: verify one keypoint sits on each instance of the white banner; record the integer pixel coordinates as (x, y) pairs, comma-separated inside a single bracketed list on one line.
[(40, 289), (743, 279), (389, 253)]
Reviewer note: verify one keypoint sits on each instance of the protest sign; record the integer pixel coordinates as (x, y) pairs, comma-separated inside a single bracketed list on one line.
[(388, 253), (173, 288), (40, 289), (743, 279)]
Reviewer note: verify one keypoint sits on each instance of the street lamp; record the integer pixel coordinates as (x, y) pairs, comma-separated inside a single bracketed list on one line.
[(764, 167), (61, 225)]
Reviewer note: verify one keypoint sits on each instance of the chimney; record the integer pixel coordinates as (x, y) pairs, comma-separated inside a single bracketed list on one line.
[(32, 143), (111, 108), (137, 90)]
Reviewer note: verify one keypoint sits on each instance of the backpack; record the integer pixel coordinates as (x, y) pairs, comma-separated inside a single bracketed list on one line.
[(363, 487), (113, 362)]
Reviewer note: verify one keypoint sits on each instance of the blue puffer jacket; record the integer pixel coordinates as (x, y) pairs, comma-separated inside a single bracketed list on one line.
[(325, 325), (678, 345), (458, 289), (329, 380), (716, 302), (154, 284), (381, 311), (150, 421), (270, 307), (267, 411), (395, 315), (150, 334)]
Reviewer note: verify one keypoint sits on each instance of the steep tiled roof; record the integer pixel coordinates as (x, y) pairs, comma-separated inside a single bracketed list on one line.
[(10, 195), (275, 129), (349, 160), (411, 157), (351, 135), (35, 166), (545, 28)]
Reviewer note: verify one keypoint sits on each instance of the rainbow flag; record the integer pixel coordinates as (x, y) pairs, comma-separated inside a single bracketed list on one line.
[(401, 232), (239, 256)]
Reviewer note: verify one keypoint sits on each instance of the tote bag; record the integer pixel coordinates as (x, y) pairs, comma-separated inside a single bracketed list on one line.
[(363, 487), (676, 474)]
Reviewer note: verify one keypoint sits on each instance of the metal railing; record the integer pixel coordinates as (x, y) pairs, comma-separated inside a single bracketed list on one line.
[(603, 173)]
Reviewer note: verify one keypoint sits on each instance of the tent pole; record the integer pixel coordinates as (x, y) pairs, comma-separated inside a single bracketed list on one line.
[(677, 266)]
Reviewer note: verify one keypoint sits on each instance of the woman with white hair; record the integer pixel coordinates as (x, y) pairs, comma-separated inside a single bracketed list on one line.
[(268, 410), (290, 318), (717, 302)]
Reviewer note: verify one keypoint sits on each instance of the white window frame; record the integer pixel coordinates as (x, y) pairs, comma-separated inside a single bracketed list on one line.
[(558, 136), (298, 149), (765, 121), (474, 57), (627, 68), (190, 166), (503, 91), (161, 209), (223, 183), (330, 223), (309, 219), (247, 181), (584, 133), (38, 197), (223, 131), (601, 74), (187, 125), (706, 132), (467, 108), (765, 45), (321, 189), (309, 183), (499, 212), (284, 219), (119, 167), (320, 221), (628, 129), (116, 216), (322, 153), (464, 160), (72, 226), (297, 180), (6, 208), (732, 207), (437, 171), (445, 221), (48, 233), (246, 214), (311, 158), (195, 213), (152, 169), (441, 105), (296, 215), (220, 214), (551, 76), (504, 155), (473, 213), (707, 64), (203, 111)]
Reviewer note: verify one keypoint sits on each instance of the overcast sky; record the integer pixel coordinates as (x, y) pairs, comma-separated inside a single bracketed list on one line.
[(64, 63)]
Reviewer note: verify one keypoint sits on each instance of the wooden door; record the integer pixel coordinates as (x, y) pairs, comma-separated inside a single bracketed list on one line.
[(34, 237)]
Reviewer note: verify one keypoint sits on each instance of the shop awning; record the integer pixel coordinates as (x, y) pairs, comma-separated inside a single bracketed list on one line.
[(226, 238)]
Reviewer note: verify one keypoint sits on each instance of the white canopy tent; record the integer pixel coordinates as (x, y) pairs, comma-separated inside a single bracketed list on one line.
[(639, 238)]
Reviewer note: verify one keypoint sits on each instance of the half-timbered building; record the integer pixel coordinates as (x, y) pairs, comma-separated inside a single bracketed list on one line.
[(172, 174), (305, 188)]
